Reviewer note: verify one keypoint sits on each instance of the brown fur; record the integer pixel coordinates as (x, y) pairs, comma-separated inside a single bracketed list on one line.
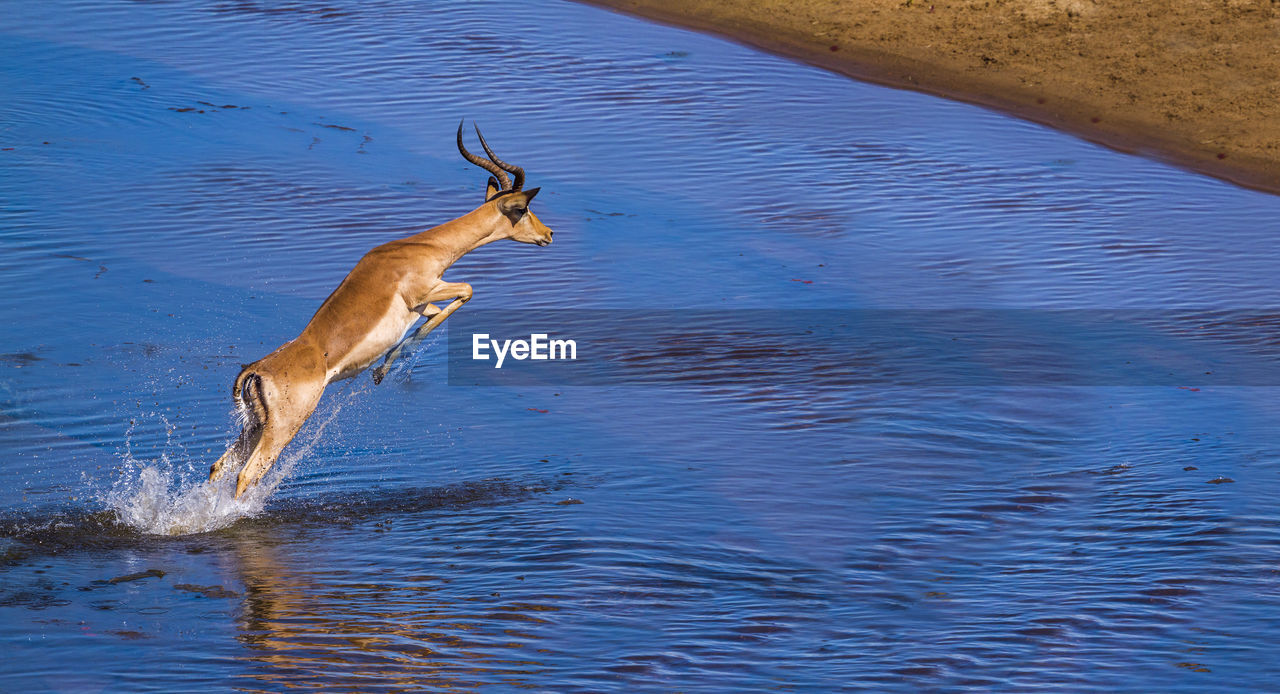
[(366, 316)]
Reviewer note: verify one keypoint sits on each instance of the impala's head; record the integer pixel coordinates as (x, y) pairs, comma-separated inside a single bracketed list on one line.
[(508, 197)]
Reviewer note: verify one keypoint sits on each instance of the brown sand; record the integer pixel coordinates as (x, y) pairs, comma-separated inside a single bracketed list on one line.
[(1192, 82)]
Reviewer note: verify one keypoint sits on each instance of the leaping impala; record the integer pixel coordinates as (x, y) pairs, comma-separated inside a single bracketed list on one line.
[(368, 314)]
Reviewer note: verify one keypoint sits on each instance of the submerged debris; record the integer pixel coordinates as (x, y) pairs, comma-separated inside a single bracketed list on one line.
[(207, 591), (157, 573)]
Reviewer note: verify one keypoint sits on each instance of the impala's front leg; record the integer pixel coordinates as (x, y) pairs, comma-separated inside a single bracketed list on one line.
[(460, 292), (429, 311)]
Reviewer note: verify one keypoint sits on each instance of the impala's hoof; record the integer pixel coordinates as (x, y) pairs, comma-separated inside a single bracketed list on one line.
[(378, 373)]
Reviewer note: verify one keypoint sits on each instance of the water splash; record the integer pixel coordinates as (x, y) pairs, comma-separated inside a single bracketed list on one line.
[(151, 499), (170, 495), (167, 495)]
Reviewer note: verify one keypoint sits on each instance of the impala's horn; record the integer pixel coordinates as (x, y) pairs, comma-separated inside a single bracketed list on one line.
[(485, 164), (510, 168)]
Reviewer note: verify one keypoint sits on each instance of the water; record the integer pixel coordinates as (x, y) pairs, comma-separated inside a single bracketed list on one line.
[(214, 169)]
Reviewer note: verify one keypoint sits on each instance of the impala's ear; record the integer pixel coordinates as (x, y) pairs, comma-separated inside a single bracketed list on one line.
[(491, 188), (528, 194), (512, 203)]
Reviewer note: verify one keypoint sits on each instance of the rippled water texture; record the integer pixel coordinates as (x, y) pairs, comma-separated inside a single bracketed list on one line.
[(181, 184)]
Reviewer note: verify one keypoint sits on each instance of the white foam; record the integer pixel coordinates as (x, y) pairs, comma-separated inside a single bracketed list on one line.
[(154, 502), (164, 497)]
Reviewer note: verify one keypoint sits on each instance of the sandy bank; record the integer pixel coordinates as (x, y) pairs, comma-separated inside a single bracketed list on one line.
[(1192, 82)]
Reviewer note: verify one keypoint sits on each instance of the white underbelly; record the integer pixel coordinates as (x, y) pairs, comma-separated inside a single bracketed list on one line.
[(385, 334)]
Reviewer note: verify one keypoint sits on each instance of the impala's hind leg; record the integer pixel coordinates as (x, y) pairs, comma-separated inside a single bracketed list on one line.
[(248, 393), (238, 452), (288, 411), (261, 460)]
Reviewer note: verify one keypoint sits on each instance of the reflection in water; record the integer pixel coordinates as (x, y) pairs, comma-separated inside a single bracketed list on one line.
[(332, 617), (340, 616), (346, 628)]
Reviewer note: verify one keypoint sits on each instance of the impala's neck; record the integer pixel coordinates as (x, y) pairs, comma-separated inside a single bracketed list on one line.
[(482, 225)]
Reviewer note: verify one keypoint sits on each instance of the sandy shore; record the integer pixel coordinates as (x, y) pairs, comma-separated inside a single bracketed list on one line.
[(1192, 82)]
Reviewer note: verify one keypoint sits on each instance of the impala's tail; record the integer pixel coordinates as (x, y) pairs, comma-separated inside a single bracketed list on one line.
[(247, 392)]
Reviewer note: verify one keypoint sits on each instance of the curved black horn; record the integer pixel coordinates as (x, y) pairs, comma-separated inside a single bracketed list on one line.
[(515, 170), (489, 166)]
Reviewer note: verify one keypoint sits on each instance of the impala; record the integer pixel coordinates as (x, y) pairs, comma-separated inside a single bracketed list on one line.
[(368, 315)]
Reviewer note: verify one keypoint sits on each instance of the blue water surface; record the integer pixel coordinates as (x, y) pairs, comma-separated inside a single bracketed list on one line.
[(182, 183)]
